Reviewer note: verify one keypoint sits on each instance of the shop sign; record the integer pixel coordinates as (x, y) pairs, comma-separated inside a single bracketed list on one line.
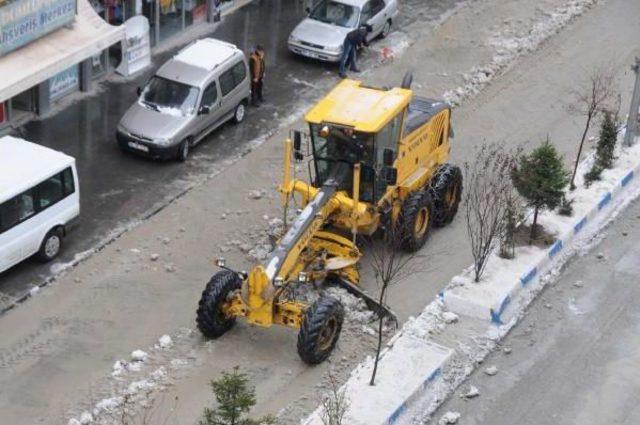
[(136, 54), (3, 114), (64, 82), (22, 21)]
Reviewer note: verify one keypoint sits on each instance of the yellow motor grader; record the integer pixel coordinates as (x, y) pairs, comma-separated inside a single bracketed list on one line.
[(377, 161)]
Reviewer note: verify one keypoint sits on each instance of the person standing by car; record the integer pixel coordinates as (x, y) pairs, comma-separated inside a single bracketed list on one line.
[(352, 42), (256, 63)]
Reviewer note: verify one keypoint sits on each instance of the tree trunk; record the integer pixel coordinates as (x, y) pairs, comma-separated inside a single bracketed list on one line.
[(572, 185), (379, 347), (532, 235)]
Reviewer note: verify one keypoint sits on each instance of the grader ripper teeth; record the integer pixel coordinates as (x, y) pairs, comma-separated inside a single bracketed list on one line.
[(377, 161)]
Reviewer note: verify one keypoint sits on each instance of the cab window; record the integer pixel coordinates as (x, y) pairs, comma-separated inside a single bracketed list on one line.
[(388, 138)]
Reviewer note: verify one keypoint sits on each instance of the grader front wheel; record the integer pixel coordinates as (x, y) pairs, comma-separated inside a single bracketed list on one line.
[(211, 320), (415, 220), (320, 330)]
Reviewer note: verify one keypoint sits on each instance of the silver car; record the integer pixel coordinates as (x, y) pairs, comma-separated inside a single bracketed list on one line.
[(321, 35), (203, 86)]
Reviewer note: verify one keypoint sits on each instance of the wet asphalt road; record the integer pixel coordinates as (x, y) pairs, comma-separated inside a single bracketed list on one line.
[(118, 188)]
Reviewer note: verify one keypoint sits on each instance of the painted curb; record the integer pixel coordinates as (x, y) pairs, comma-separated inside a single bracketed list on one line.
[(396, 399), (499, 310)]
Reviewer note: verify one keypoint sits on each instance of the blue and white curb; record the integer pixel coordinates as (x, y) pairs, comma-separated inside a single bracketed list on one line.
[(495, 301)]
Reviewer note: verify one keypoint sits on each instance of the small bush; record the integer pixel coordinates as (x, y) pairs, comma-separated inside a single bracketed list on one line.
[(566, 207), (592, 175)]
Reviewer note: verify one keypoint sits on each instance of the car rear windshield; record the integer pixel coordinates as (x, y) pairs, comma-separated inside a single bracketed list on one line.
[(170, 97), (333, 12)]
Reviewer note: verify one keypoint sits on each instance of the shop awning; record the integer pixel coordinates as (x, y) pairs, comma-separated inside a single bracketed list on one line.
[(42, 59)]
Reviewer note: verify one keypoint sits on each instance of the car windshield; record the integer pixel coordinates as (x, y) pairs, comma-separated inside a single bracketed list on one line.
[(169, 97), (336, 13)]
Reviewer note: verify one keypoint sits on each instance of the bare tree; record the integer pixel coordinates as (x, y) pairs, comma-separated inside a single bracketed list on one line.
[(486, 200), (334, 404), (596, 95), (391, 264)]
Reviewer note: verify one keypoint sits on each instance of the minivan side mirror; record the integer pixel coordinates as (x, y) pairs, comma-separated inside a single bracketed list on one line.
[(204, 109), (387, 157), (390, 176)]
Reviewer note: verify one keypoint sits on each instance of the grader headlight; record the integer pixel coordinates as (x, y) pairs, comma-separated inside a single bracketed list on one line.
[(278, 282)]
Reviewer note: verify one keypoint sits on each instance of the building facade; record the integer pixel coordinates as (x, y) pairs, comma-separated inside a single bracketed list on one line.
[(49, 49)]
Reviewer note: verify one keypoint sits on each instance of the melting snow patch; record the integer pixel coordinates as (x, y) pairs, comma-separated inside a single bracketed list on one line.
[(139, 356), (165, 341), (449, 418)]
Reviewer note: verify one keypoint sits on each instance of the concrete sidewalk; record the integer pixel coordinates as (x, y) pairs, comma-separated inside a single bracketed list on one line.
[(57, 350)]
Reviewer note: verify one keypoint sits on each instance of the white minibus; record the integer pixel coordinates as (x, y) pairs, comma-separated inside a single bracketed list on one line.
[(39, 200)]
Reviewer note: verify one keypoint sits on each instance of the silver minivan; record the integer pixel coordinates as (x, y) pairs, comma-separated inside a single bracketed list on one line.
[(206, 84)]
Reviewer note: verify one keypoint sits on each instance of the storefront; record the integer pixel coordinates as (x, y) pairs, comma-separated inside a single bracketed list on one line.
[(166, 17), (49, 49)]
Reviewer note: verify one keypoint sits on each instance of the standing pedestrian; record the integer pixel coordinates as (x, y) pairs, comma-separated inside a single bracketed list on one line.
[(352, 42), (256, 63)]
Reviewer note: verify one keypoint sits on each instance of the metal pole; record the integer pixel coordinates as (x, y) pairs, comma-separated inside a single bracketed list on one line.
[(632, 122)]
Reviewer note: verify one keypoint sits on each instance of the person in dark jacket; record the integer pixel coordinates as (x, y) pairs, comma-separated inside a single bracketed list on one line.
[(256, 64), (352, 42)]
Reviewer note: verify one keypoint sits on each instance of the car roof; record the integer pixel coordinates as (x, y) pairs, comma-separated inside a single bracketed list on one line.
[(24, 164), (365, 109), (193, 64), (357, 3)]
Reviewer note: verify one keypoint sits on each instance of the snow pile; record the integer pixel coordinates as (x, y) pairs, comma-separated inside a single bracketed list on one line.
[(509, 49), (165, 341), (139, 356)]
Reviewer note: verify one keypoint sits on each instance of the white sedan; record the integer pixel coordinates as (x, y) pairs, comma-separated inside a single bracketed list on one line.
[(322, 34)]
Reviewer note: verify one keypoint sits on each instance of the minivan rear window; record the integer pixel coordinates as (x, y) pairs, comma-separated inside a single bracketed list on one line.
[(232, 78)]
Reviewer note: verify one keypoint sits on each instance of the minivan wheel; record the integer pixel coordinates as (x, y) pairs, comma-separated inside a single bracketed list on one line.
[(51, 245), (239, 113), (183, 151)]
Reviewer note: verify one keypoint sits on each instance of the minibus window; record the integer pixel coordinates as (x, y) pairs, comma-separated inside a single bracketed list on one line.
[(16, 209), (67, 176), (50, 191)]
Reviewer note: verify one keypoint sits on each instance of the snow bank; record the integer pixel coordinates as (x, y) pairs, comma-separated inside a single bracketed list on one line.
[(509, 49)]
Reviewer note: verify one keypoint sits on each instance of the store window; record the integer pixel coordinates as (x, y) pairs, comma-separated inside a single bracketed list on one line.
[(170, 18), (195, 11)]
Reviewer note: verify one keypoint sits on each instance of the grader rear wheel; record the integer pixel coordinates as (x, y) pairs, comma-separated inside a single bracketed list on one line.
[(415, 221), (211, 321), (445, 190), (320, 330)]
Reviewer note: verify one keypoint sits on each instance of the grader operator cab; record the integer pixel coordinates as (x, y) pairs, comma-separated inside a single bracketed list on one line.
[(378, 161)]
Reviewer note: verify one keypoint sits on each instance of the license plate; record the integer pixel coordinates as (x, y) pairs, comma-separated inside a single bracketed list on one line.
[(138, 146), (309, 54)]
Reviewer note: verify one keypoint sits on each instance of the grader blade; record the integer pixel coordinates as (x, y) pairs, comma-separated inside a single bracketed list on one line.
[(372, 304)]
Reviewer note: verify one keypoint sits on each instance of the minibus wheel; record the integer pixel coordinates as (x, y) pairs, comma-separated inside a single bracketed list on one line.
[(51, 245)]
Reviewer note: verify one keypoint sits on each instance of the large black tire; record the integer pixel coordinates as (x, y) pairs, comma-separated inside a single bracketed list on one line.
[(320, 330), (445, 189), (51, 245), (210, 319), (414, 223)]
